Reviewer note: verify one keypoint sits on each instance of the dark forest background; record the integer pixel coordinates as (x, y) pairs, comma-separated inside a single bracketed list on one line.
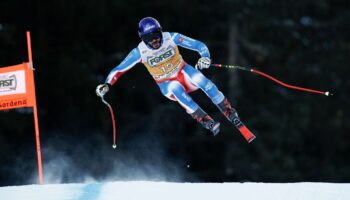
[(300, 136)]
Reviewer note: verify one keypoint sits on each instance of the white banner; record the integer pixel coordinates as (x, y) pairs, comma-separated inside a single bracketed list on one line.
[(12, 83)]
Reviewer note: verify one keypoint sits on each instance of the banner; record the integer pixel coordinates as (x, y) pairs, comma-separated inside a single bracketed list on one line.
[(16, 87)]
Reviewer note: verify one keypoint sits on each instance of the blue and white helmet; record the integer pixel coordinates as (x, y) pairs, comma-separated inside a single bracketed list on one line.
[(150, 29)]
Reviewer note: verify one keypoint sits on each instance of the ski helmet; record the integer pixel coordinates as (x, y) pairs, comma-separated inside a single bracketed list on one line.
[(150, 29)]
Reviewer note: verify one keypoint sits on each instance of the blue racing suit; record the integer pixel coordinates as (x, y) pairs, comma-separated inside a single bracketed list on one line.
[(173, 75)]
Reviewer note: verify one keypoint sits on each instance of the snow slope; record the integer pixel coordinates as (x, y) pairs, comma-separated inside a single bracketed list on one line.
[(178, 191)]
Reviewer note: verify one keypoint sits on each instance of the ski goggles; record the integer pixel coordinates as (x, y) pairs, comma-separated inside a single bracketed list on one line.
[(148, 38)]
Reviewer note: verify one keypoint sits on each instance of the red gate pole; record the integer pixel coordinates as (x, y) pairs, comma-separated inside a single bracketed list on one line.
[(35, 112)]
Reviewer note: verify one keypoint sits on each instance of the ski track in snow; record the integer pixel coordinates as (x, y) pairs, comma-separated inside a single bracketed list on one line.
[(174, 191)]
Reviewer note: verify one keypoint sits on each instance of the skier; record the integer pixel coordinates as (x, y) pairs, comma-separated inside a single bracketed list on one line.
[(159, 52)]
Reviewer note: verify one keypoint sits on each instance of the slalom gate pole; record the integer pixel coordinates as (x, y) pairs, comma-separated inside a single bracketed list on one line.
[(35, 111), (327, 93), (113, 122)]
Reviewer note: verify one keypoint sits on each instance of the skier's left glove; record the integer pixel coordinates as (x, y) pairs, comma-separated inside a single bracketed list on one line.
[(102, 89), (203, 63)]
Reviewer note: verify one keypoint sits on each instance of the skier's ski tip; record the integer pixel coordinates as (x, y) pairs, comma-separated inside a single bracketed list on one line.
[(247, 134)]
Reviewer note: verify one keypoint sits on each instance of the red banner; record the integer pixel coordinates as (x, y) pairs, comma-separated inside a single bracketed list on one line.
[(17, 87)]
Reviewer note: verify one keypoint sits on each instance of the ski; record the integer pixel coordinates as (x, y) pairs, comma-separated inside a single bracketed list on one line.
[(247, 134)]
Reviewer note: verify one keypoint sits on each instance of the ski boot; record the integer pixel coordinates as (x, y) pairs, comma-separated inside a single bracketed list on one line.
[(206, 121), (229, 112)]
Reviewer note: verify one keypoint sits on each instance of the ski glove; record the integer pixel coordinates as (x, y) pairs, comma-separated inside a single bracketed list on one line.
[(102, 89), (203, 63)]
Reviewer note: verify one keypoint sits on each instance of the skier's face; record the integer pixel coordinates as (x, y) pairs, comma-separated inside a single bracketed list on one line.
[(155, 43), (153, 39)]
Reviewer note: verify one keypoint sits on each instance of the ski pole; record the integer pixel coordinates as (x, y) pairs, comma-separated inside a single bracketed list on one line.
[(113, 122), (327, 93)]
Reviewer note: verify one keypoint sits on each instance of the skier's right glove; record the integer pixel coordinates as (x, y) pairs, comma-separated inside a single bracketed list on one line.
[(102, 89), (203, 63)]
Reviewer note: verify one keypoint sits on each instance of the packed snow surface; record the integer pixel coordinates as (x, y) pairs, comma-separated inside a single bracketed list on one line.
[(175, 191)]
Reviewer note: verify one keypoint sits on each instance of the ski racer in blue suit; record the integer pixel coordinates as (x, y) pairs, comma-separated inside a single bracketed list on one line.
[(159, 52)]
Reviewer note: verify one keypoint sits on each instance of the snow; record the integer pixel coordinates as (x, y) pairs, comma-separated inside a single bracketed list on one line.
[(174, 191)]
